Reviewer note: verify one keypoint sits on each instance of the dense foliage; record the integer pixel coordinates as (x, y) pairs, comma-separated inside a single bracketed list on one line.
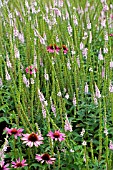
[(56, 84)]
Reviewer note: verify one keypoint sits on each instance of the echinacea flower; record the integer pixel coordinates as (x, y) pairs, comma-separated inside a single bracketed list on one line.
[(45, 157), (56, 135), (3, 166), (111, 35), (30, 70), (32, 139), (19, 163), (14, 131), (65, 49), (53, 48)]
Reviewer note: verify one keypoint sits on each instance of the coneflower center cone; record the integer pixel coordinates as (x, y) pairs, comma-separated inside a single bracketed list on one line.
[(56, 135), (33, 137), (19, 164), (14, 131), (64, 47), (46, 157)]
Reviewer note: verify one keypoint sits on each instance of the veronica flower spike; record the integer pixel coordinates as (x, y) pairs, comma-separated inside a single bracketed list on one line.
[(14, 131), (32, 139), (111, 145), (57, 136), (45, 158)]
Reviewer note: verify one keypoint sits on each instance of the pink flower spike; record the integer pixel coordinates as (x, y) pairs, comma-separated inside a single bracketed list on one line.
[(111, 64), (111, 145), (3, 166), (32, 139), (19, 163), (45, 157), (56, 135), (14, 131)]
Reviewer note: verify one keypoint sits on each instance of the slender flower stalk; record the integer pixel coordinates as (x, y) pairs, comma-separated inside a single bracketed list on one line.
[(86, 88), (1, 83), (111, 145), (97, 93), (8, 77), (68, 126), (2, 154), (74, 100)]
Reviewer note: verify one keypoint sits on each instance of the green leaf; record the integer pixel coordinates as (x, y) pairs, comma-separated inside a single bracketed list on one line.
[(2, 119), (3, 106), (36, 165)]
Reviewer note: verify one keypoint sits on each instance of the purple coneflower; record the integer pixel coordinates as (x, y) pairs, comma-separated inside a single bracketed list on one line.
[(19, 163), (30, 70), (45, 157), (53, 48), (32, 139), (65, 49), (14, 131), (111, 35), (3, 166), (56, 135)]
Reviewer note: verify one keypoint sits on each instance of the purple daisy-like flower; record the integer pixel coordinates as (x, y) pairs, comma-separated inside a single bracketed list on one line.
[(53, 48), (14, 131), (19, 163), (45, 158), (111, 35), (32, 139), (65, 49), (56, 135), (3, 166)]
